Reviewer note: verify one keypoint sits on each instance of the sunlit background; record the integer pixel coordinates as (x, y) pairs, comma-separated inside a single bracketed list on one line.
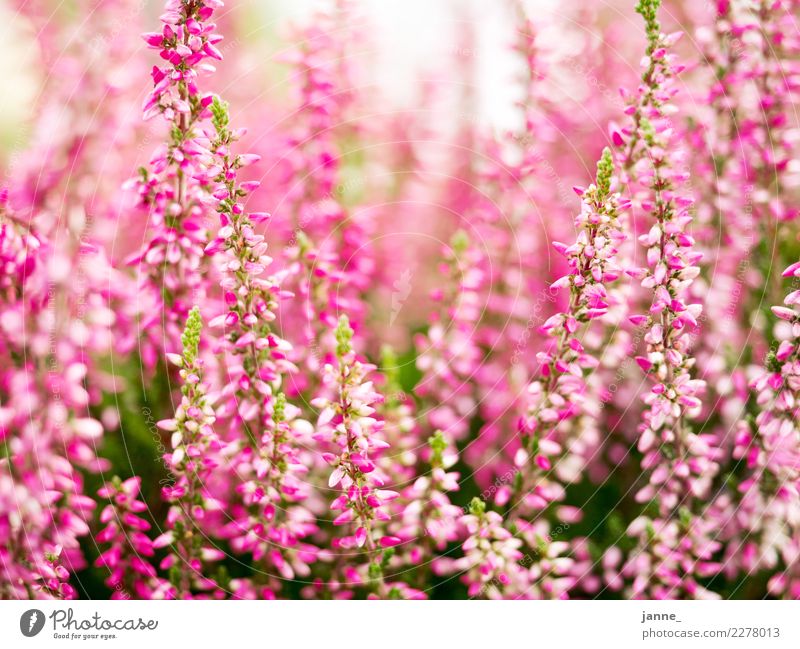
[(412, 45)]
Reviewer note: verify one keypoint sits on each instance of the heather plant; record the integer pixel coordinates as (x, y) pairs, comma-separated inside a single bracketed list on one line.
[(316, 346)]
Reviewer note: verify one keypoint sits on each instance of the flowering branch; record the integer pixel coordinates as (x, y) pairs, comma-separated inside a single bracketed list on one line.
[(346, 422), (175, 189), (192, 461)]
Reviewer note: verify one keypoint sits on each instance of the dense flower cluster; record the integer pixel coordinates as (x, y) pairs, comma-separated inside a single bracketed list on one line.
[(351, 352), (175, 190), (130, 551)]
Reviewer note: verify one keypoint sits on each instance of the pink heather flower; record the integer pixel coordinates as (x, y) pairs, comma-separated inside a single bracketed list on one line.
[(195, 455), (82, 140), (273, 520), (60, 307), (177, 186), (770, 446), (678, 462), (316, 279), (771, 27), (745, 187), (516, 296), (745, 184), (54, 578), (552, 569), (559, 393), (330, 250), (491, 561), (266, 430), (497, 564), (429, 520), (327, 282), (448, 353), (346, 426), (321, 77), (127, 560), (258, 357), (671, 261), (45, 425), (723, 184), (670, 556)]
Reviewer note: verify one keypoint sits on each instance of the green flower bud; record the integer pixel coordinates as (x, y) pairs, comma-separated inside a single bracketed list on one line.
[(344, 336), (191, 335)]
